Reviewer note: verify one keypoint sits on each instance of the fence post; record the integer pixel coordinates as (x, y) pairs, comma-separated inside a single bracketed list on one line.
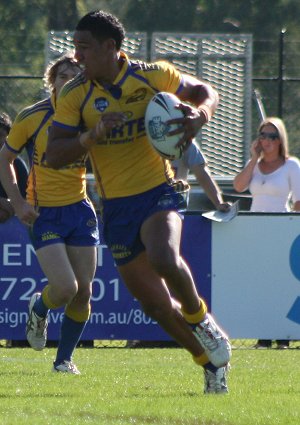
[(281, 71)]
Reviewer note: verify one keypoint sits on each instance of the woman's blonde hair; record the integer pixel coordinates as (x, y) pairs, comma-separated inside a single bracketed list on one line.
[(282, 133), (52, 69)]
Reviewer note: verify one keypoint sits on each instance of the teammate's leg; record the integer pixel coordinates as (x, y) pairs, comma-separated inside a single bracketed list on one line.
[(55, 263), (77, 312), (61, 288)]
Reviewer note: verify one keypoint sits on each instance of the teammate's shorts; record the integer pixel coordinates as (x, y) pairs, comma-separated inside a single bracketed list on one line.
[(123, 217), (74, 224)]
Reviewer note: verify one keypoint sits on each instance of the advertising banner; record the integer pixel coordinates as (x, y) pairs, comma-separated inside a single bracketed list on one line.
[(115, 313)]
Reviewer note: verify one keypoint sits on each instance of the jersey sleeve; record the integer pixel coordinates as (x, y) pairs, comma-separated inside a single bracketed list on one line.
[(193, 156), (166, 78), (68, 106), (19, 133)]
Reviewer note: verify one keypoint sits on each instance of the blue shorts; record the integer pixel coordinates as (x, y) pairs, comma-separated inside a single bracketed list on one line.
[(123, 218), (74, 224)]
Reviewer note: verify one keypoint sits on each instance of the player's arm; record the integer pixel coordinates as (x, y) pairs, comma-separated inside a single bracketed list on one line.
[(200, 94), (24, 211), (203, 100), (242, 180), (210, 187), (66, 146)]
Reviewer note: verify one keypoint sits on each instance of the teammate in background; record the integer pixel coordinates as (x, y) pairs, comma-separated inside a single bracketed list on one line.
[(193, 161), (6, 209), (273, 179), (142, 226), (62, 221)]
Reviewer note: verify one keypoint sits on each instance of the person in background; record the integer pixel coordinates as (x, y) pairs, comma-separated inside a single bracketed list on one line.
[(140, 202), (62, 221), (194, 162), (6, 208), (273, 179)]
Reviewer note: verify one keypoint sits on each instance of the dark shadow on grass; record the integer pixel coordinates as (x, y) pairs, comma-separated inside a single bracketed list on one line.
[(153, 420), (30, 396), (146, 395)]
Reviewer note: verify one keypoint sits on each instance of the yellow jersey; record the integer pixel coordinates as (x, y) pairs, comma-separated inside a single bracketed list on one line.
[(124, 163), (46, 187)]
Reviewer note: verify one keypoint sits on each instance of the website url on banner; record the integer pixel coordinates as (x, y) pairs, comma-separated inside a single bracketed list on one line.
[(134, 316)]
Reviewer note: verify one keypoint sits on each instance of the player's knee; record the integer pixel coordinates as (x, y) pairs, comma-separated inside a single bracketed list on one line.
[(66, 294), (165, 267)]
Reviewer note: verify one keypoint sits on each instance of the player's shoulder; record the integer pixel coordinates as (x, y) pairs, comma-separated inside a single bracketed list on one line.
[(76, 83), (148, 67), (30, 112)]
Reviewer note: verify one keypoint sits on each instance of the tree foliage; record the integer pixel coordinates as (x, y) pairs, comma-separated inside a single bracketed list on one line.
[(25, 24), (62, 15)]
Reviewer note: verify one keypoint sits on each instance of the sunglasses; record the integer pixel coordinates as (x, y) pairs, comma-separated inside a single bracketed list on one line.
[(271, 136)]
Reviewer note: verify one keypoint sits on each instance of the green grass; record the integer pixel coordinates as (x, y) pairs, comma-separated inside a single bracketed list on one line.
[(147, 386)]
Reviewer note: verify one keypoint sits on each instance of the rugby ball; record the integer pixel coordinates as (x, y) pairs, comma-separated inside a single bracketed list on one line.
[(161, 109)]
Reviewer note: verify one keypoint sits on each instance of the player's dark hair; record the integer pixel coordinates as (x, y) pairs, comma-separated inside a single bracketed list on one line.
[(102, 25), (5, 122)]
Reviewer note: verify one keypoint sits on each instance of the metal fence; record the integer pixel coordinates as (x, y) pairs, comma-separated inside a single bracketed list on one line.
[(275, 72), (224, 60)]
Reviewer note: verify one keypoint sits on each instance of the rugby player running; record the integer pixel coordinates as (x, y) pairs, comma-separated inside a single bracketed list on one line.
[(139, 201)]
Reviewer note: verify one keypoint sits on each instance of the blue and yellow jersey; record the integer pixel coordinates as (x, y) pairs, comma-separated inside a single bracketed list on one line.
[(46, 187), (125, 163)]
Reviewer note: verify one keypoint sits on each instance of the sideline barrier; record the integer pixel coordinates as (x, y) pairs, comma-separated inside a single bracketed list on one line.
[(115, 313), (248, 270)]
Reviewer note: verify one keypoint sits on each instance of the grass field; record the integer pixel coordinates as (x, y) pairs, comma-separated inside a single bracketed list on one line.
[(147, 386)]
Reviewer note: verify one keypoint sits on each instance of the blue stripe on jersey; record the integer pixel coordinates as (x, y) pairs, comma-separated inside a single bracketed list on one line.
[(66, 127), (180, 86), (44, 105), (92, 86)]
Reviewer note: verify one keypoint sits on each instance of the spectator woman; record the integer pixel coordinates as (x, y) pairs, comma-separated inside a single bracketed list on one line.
[(273, 179)]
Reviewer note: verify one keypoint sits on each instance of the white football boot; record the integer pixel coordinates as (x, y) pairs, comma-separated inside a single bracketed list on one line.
[(216, 382), (213, 340), (36, 326), (66, 367)]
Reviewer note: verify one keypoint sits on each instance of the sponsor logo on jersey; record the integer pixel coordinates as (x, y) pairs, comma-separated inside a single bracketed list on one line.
[(137, 96)]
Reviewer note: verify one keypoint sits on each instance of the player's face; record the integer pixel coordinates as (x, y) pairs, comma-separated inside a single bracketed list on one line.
[(65, 73), (93, 54)]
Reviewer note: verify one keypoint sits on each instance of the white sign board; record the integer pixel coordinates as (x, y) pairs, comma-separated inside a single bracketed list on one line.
[(256, 276)]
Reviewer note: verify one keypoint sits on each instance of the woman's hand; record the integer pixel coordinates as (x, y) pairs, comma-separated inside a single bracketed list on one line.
[(256, 149)]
